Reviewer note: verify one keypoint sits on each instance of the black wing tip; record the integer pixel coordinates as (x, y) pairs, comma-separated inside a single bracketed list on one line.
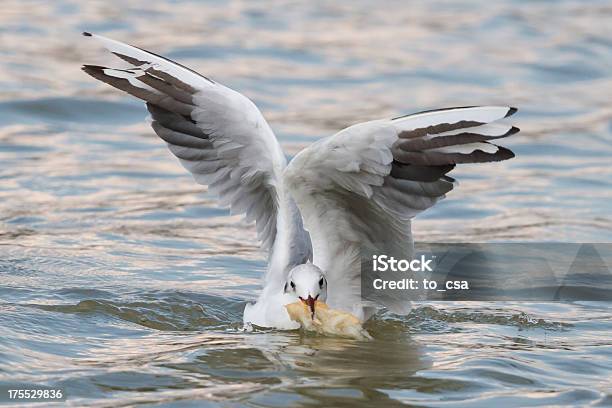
[(503, 153), (513, 130), (511, 111), (86, 34), (92, 68), (100, 68)]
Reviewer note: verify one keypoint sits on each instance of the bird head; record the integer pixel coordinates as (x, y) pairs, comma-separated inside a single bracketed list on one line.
[(308, 283)]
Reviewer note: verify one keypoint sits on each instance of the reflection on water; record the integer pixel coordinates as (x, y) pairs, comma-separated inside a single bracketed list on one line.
[(124, 282)]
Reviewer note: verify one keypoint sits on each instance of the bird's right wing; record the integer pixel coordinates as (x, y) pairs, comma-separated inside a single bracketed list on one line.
[(218, 134), (361, 187)]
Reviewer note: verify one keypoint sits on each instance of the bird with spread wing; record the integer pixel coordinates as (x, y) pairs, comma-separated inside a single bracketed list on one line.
[(358, 188)]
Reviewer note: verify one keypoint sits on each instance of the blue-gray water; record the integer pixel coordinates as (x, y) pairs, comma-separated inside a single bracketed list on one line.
[(123, 281)]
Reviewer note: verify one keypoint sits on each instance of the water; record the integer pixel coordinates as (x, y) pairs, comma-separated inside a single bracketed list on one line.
[(123, 282)]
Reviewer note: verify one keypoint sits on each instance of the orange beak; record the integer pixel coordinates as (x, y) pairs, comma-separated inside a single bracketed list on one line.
[(311, 304)]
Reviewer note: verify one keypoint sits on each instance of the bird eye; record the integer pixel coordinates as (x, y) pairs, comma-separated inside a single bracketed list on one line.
[(292, 285), (321, 281)]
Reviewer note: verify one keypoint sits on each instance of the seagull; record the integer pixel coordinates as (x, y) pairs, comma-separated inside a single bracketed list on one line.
[(358, 188)]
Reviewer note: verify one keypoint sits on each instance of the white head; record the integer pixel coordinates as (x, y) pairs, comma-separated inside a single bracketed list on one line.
[(308, 283)]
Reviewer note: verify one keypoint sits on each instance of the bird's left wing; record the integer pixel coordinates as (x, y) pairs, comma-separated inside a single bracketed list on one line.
[(218, 134), (359, 188)]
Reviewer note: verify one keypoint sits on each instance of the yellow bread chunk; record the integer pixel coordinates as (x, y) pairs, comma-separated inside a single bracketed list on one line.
[(327, 321)]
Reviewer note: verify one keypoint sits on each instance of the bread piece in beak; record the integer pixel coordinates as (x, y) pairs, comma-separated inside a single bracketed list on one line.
[(318, 317), (310, 302)]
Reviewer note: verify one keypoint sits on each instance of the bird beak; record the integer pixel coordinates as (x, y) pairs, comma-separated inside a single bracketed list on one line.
[(311, 304)]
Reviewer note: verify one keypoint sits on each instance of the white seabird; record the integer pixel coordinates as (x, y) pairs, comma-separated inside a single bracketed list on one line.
[(358, 188)]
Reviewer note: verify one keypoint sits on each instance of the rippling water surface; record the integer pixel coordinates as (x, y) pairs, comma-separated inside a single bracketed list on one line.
[(124, 282)]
